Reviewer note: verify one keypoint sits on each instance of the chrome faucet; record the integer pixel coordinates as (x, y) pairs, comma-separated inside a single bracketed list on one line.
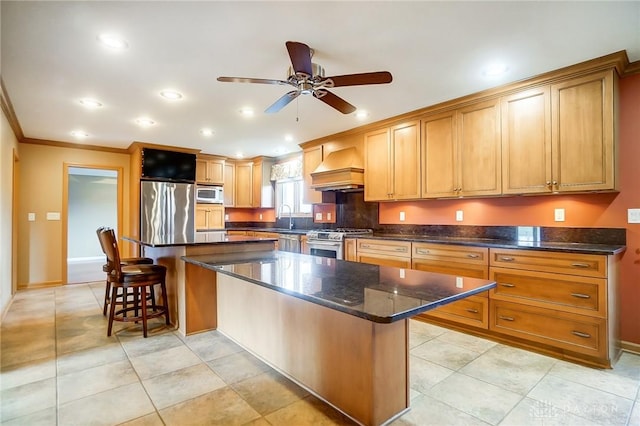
[(290, 214)]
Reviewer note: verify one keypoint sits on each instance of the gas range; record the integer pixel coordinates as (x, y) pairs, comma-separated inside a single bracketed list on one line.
[(336, 234)]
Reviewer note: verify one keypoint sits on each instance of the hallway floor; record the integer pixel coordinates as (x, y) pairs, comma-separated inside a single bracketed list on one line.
[(58, 367)]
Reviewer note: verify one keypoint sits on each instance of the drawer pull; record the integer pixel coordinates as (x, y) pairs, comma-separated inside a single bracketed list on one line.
[(502, 317), (581, 334), (365, 246), (507, 258), (473, 256), (422, 251), (581, 296), (403, 249), (473, 311), (581, 265), (508, 285)]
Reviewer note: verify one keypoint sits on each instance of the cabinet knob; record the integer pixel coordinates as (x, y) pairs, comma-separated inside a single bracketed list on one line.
[(581, 334), (548, 183), (555, 183), (502, 317)]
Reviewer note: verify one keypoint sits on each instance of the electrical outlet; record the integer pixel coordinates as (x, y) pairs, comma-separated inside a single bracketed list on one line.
[(260, 216), (559, 215), (318, 216), (633, 215), (459, 282), (328, 216), (459, 215), (402, 216), (226, 217), (31, 217), (53, 215)]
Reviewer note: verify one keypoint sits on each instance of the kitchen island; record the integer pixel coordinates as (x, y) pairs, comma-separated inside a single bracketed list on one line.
[(338, 328), (185, 303)]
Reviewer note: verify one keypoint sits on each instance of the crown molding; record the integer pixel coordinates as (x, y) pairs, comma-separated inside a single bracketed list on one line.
[(7, 108)]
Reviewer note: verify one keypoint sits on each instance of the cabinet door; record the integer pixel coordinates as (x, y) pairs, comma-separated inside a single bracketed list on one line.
[(405, 148), (215, 169), (526, 142), (244, 185), (201, 216), (229, 184), (582, 133), (216, 217), (377, 166), (439, 155), (311, 159), (201, 171), (479, 169)]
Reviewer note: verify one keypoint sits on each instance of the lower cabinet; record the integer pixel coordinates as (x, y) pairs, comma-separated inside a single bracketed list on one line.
[(209, 216), (558, 303)]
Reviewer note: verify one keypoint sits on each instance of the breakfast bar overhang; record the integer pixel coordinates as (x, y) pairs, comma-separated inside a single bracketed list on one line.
[(338, 328)]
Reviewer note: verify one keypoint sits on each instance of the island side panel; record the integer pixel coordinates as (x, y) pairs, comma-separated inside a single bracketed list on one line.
[(200, 299), (359, 366)]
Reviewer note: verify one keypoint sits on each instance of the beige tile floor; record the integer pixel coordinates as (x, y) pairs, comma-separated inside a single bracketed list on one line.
[(58, 367)]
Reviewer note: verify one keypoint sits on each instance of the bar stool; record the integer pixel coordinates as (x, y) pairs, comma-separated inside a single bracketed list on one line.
[(140, 279), (107, 268)]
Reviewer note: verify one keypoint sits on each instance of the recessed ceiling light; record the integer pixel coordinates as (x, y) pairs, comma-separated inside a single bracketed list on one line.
[(90, 103), (145, 122), (206, 132), (79, 134), (362, 114), (113, 41), (239, 155), (172, 95), (288, 138), (247, 112), (495, 70)]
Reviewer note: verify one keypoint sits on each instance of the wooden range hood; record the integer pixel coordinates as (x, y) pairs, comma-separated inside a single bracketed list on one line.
[(341, 171)]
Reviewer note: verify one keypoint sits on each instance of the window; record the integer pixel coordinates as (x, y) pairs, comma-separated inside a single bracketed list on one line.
[(289, 192)]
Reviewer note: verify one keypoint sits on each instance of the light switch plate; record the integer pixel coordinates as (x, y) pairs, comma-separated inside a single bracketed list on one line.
[(459, 216), (402, 216), (633, 215), (53, 215), (328, 216), (226, 217), (318, 216), (459, 282), (559, 215), (31, 217), (260, 216)]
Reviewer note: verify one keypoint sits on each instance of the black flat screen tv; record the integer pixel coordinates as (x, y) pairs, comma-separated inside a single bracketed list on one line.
[(158, 164)]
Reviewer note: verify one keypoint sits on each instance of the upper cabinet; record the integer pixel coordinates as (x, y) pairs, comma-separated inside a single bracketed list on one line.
[(244, 184), (229, 184), (582, 133), (461, 152), (247, 184), (263, 190), (392, 163), (210, 170), (560, 137), (311, 159)]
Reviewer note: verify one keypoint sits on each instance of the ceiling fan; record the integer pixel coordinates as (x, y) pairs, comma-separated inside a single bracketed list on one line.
[(308, 78)]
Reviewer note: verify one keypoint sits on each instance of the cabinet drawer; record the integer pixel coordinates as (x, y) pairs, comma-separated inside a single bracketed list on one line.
[(384, 260), (394, 248), (473, 310), (582, 295), (453, 253), (451, 268), (578, 333), (588, 265)]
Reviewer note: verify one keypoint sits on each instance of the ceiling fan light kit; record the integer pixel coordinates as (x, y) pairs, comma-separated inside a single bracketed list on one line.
[(309, 79)]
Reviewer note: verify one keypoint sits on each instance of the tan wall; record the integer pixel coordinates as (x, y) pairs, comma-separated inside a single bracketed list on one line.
[(8, 146), (40, 258)]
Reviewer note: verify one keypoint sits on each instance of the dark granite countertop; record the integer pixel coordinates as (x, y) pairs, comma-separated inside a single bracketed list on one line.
[(197, 240), (567, 247), (276, 230), (377, 293)]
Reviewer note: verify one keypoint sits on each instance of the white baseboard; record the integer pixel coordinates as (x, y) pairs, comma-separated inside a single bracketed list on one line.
[(89, 259)]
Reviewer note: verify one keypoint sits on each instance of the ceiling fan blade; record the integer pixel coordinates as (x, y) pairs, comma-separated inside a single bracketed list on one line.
[(251, 80), (282, 102), (300, 55), (334, 101), (380, 77)]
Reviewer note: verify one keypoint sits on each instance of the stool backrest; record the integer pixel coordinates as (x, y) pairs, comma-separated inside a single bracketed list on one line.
[(109, 244)]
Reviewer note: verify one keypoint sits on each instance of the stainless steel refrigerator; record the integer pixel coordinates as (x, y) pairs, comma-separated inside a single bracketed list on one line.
[(167, 211)]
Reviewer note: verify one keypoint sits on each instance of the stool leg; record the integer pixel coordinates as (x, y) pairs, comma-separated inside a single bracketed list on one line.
[(165, 301), (107, 290), (143, 298), (112, 309)]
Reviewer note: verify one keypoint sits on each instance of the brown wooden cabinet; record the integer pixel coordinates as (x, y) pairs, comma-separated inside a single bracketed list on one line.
[(564, 133), (229, 184), (350, 250), (263, 195), (461, 152), (384, 252), (392, 163), (565, 301), (244, 184), (210, 170), (462, 261), (311, 159), (209, 216)]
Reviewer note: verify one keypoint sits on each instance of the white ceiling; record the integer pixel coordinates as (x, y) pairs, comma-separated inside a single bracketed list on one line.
[(435, 50)]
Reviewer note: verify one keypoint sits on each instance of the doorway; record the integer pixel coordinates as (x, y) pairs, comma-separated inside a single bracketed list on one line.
[(92, 200)]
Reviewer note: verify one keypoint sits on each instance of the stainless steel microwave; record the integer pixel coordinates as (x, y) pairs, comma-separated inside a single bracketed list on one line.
[(209, 194)]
